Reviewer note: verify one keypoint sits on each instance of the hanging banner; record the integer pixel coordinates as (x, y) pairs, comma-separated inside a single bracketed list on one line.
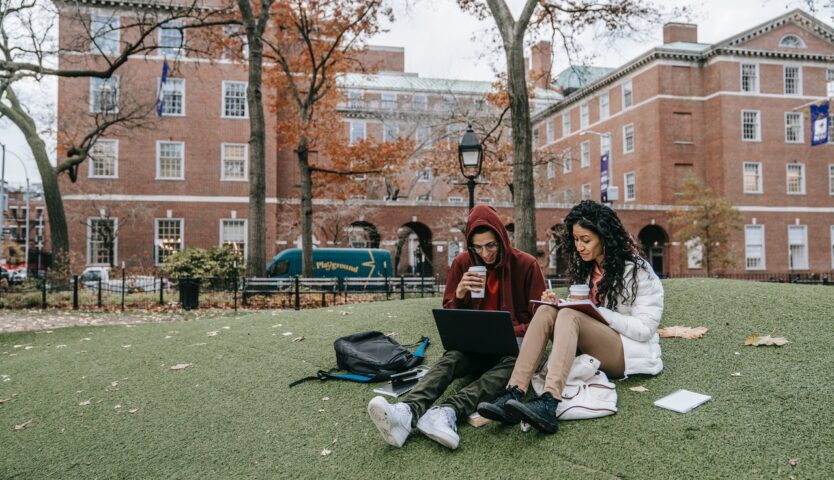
[(603, 177), (820, 124)]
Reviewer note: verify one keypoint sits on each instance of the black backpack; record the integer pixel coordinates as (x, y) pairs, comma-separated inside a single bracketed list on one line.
[(370, 357)]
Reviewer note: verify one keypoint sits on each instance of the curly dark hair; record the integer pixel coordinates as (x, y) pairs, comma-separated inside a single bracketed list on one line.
[(618, 246)]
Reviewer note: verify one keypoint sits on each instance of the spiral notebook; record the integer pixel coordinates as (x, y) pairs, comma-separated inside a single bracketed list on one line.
[(682, 401)]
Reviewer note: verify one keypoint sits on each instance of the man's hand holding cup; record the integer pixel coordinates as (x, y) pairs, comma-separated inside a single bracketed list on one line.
[(473, 281)]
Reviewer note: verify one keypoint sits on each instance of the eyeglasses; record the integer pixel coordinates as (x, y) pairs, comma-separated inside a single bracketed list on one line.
[(491, 246)]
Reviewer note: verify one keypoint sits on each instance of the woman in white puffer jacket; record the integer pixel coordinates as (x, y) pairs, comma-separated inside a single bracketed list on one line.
[(627, 292)]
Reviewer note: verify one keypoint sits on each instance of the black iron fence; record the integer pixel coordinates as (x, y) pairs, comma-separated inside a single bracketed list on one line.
[(808, 278)]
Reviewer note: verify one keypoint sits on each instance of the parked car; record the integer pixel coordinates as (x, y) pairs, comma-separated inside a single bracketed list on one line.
[(133, 283), (334, 262)]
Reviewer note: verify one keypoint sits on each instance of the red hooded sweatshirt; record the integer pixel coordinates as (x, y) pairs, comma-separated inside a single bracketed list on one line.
[(520, 277)]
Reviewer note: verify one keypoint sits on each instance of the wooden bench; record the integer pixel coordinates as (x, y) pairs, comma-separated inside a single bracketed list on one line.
[(368, 285), (290, 286)]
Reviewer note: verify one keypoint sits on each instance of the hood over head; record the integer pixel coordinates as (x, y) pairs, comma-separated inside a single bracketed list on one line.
[(485, 215)]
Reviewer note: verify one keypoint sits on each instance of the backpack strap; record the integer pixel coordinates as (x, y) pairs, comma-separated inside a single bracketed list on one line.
[(324, 375)]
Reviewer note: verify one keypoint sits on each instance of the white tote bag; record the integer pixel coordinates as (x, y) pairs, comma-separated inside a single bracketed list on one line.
[(587, 394)]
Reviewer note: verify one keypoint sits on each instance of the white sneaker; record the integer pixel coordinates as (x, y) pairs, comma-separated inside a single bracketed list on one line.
[(392, 421), (439, 424)]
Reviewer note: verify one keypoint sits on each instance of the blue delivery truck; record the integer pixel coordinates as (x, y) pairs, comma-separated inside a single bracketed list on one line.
[(334, 262)]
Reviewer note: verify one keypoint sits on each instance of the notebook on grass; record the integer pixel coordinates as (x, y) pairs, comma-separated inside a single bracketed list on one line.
[(682, 401)]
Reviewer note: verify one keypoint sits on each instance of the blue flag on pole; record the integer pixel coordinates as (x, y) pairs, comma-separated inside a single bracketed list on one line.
[(160, 95), (603, 178), (820, 124)]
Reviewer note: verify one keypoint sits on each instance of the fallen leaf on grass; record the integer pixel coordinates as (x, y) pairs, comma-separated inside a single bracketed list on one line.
[(60, 346), (126, 346), (690, 333), (793, 461), (226, 328), (766, 340), (391, 334), (735, 374), (4, 400), (212, 333), (325, 398), (344, 313), (133, 410), (329, 449), (640, 389), (286, 334), (298, 339), (85, 402), (23, 425), (181, 366)]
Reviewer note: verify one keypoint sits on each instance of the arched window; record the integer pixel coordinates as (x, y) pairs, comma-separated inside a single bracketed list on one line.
[(791, 41)]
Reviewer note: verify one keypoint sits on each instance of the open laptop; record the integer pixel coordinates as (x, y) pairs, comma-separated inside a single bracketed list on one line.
[(476, 331)]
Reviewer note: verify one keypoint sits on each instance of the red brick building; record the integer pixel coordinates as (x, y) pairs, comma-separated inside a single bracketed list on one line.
[(182, 180)]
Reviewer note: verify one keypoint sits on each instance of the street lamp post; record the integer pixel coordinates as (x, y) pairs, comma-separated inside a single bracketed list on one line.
[(2, 197), (471, 158)]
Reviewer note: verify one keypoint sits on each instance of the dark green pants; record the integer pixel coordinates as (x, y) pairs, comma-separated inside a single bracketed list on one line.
[(493, 374)]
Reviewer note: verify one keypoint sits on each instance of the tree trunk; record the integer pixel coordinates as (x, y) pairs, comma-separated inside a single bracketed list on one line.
[(256, 234), (524, 201), (58, 234), (306, 209)]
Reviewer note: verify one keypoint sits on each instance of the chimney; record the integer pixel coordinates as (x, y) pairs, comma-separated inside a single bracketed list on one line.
[(680, 32), (541, 58)]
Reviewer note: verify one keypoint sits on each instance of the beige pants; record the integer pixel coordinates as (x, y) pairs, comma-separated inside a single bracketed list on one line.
[(571, 332)]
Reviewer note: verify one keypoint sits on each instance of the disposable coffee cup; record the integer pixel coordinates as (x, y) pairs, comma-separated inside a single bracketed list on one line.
[(579, 292), (478, 270)]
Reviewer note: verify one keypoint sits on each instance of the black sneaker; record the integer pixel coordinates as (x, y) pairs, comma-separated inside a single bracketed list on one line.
[(496, 411), (539, 412)]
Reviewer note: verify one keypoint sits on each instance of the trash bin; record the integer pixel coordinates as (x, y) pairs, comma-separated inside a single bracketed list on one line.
[(189, 293)]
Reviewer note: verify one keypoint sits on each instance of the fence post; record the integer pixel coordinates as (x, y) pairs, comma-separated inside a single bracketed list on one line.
[(43, 287), (123, 286), (422, 287), (387, 289), (99, 292), (402, 287), (161, 291), (75, 292), (235, 289), (297, 293)]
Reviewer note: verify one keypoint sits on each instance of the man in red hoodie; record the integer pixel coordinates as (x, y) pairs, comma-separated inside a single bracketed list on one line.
[(513, 279)]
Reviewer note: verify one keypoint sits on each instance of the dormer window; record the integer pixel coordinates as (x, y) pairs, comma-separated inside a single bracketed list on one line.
[(791, 41)]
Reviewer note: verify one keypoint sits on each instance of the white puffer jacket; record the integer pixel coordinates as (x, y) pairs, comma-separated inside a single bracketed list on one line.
[(637, 322)]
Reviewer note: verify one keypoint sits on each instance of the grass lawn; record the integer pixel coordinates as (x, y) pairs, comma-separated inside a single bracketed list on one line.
[(231, 415)]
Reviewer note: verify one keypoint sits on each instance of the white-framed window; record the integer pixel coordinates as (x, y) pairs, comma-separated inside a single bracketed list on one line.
[(355, 99), (831, 179), (234, 100), (629, 180), (390, 132), (420, 102), (585, 191), (585, 154), (567, 162), (798, 247), (831, 128), (793, 127), (422, 135), (171, 39), (628, 138), (233, 235), (235, 161), (104, 30), (791, 41), (426, 197), (829, 75), (551, 171), (102, 241), (750, 77), (357, 131), (751, 126), (754, 248), (453, 249), (694, 253), (104, 95), (238, 47), (173, 97), (487, 200), (168, 238), (752, 180), (388, 101), (584, 116), (832, 246), (170, 161), (535, 138), (450, 101), (604, 106), (553, 252), (454, 199), (104, 159), (796, 178), (605, 144), (549, 131), (566, 124), (424, 175), (793, 80), (628, 95)]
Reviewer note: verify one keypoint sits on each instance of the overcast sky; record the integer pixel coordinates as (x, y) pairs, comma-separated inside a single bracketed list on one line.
[(442, 42)]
